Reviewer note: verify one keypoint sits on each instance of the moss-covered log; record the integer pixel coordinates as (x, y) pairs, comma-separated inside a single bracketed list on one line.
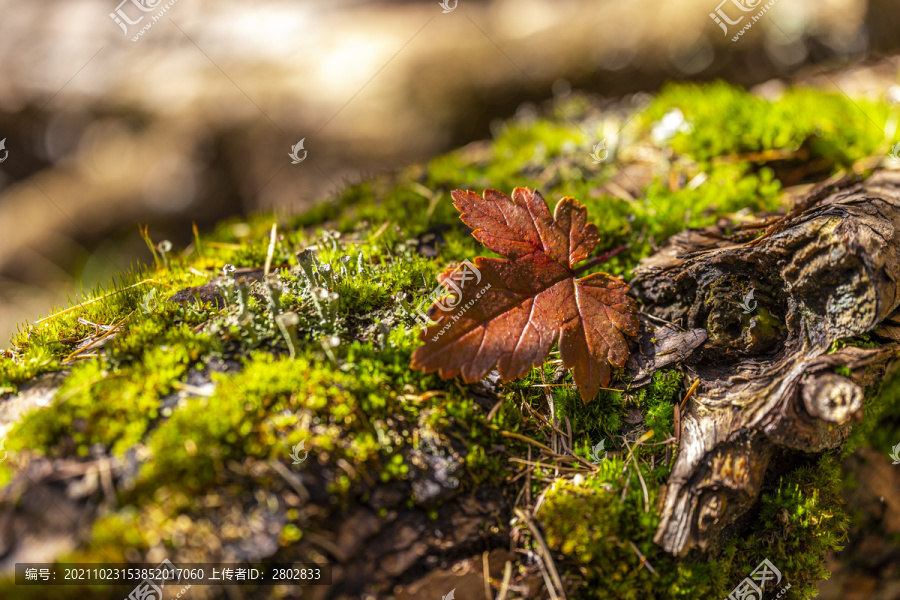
[(165, 429)]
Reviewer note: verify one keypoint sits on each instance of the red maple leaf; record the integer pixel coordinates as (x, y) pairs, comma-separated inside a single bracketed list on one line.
[(508, 313)]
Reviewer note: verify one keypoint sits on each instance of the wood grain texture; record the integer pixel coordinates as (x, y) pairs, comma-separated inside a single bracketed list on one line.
[(827, 270)]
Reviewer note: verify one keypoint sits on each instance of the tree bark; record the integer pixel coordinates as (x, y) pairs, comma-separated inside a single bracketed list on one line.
[(829, 269)]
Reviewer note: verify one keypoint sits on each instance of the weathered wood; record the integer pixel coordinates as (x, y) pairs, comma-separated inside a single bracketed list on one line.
[(829, 269)]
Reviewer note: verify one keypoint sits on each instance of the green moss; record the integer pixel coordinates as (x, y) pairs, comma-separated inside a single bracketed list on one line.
[(657, 403), (800, 520), (863, 340), (726, 120), (112, 402), (880, 428)]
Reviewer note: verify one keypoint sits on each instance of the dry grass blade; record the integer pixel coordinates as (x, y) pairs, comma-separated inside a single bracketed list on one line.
[(553, 455), (538, 465), (625, 487), (547, 582), (495, 409), (486, 571), (291, 478), (380, 231), (504, 586), (528, 481), (526, 439), (544, 551), (637, 468), (423, 396), (554, 441), (97, 339), (271, 251)]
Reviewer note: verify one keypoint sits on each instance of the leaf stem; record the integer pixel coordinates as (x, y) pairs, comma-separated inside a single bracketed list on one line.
[(599, 259)]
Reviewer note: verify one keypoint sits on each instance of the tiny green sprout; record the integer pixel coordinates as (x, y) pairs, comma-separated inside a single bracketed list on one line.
[(400, 298), (384, 331), (164, 248), (305, 259), (245, 315), (273, 284), (319, 295), (344, 260), (332, 237), (286, 324), (326, 272), (328, 343), (332, 306), (226, 285)]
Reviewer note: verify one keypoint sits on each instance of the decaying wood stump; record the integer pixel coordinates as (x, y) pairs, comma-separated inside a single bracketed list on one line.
[(827, 270)]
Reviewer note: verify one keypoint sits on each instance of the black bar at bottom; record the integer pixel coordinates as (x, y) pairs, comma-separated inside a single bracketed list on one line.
[(167, 574)]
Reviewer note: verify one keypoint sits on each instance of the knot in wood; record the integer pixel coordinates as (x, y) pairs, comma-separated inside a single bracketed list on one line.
[(833, 398)]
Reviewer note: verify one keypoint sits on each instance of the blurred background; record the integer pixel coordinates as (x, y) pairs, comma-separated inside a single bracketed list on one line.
[(194, 121)]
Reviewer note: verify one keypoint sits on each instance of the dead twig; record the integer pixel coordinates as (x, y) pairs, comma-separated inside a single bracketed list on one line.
[(96, 340), (689, 393), (660, 320), (644, 561)]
